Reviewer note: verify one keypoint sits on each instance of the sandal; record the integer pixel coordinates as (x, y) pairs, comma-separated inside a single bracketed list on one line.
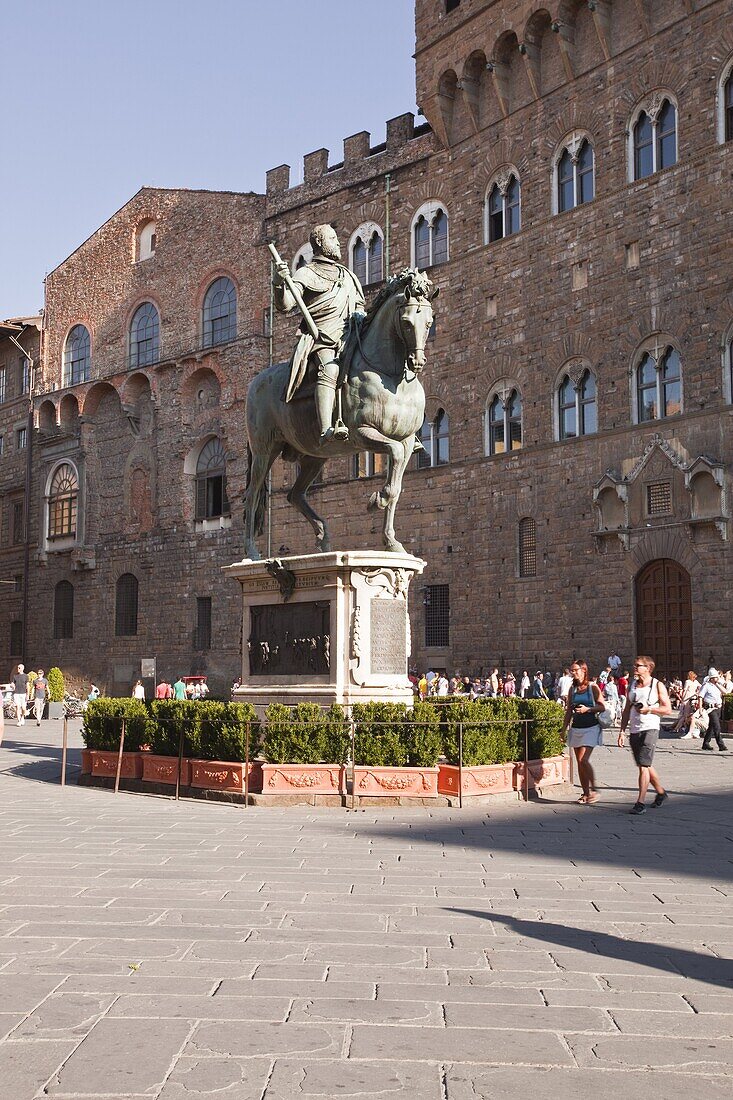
[(582, 800), (591, 799)]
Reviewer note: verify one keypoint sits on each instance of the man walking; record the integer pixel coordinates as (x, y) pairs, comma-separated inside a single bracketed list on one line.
[(20, 693), (40, 691), (712, 700), (646, 702)]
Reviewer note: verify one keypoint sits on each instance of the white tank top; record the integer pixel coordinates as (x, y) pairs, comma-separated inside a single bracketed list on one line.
[(649, 696)]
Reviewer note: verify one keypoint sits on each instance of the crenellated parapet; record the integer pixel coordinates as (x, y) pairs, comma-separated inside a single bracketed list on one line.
[(405, 142)]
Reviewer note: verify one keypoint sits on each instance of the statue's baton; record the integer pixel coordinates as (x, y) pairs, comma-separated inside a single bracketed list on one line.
[(295, 291)]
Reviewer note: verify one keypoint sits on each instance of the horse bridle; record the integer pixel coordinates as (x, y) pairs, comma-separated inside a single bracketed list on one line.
[(410, 346)]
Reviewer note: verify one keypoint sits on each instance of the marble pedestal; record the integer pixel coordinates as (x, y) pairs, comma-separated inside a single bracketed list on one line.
[(325, 628)]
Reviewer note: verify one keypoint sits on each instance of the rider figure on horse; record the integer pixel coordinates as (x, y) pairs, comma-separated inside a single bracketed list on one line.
[(332, 295)]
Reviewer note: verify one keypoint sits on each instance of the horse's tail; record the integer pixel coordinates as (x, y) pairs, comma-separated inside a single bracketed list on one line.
[(259, 504)]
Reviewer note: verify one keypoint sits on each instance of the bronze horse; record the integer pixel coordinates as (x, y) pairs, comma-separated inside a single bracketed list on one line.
[(383, 406)]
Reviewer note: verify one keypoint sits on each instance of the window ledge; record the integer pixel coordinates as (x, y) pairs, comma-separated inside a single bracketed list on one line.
[(58, 546), (218, 523)]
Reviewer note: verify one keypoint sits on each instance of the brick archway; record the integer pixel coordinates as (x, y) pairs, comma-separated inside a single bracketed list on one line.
[(664, 616)]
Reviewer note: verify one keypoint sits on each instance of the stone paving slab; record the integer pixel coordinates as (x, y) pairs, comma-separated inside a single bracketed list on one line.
[(192, 950)]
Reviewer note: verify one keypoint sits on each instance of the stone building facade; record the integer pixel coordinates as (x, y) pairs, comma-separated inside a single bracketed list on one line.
[(20, 339), (570, 194), (152, 330)]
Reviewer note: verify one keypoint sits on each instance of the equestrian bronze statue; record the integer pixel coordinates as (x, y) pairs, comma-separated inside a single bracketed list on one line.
[(351, 385)]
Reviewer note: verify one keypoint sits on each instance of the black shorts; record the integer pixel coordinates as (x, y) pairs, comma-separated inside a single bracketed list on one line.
[(643, 745)]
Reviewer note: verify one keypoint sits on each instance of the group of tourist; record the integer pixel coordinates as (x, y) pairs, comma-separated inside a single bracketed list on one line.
[(25, 694), (636, 703), (192, 689)]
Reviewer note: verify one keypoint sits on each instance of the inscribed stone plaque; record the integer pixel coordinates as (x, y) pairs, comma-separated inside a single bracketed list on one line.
[(389, 636), (290, 639)]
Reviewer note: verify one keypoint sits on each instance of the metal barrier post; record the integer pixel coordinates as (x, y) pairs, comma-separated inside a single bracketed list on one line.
[(64, 747), (460, 765), (526, 760), (352, 737), (246, 763), (180, 764), (119, 757)]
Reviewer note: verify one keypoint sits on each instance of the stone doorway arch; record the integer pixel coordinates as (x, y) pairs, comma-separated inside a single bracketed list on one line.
[(663, 598)]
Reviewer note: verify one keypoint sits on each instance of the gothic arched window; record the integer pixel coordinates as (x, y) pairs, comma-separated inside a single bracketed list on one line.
[(126, 600), (575, 174), (144, 336), (504, 422), (430, 236), (435, 438), (220, 313), (366, 254), (63, 496), (658, 384), (654, 138), (77, 356), (728, 108), (577, 407), (211, 481), (503, 213)]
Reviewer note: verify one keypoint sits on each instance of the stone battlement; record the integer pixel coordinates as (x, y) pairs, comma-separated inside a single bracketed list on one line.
[(359, 155)]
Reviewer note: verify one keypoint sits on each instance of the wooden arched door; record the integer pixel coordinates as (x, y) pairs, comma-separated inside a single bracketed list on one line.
[(664, 616)]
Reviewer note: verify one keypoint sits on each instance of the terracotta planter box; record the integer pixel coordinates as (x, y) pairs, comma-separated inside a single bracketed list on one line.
[(86, 761), (305, 778), (479, 779), (543, 773), (220, 775), (164, 769), (418, 782), (105, 763)]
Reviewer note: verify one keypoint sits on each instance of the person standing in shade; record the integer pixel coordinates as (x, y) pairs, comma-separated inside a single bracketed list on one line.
[(40, 693), (647, 702), (581, 725), (138, 692), (20, 693), (538, 687), (712, 699), (179, 689)]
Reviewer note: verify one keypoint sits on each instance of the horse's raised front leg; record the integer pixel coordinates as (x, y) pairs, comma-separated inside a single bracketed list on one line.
[(308, 470), (387, 497), (255, 499)]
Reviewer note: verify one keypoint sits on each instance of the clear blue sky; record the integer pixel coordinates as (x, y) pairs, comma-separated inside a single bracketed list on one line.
[(102, 97)]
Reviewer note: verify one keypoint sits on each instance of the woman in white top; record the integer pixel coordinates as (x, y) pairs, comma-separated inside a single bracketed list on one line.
[(689, 691), (646, 703)]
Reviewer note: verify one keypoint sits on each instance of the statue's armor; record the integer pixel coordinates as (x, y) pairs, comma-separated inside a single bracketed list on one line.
[(332, 295)]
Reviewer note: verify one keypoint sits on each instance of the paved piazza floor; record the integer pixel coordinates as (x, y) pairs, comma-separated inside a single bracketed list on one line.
[(198, 951)]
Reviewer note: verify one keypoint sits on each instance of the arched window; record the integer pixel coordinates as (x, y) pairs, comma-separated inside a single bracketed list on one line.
[(211, 482), (503, 217), (728, 359), (654, 136), (302, 257), (527, 547), (728, 108), (63, 610), (504, 422), (366, 255), (145, 336), (429, 236), (76, 356), (435, 438), (578, 412), (220, 312), (146, 241), (126, 596), (63, 495), (575, 174), (658, 384)]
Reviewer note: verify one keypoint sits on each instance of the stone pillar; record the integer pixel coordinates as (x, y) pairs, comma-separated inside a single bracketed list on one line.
[(325, 628)]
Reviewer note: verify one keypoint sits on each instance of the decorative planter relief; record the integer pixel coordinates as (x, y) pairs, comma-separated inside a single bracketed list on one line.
[(164, 769), (543, 773), (418, 782), (480, 779), (218, 775), (310, 778), (105, 763)]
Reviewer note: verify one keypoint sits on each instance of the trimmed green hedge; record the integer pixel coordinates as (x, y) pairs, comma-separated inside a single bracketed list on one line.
[(101, 729), (385, 734), (305, 734), (493, 732), (56, 685), (728, 707)]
